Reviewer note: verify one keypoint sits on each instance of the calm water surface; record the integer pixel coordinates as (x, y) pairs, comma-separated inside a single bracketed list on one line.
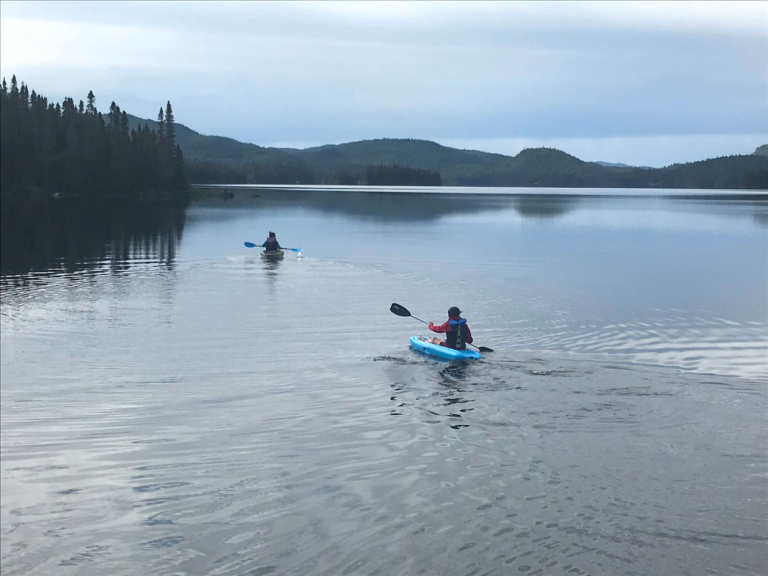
[(173, 405)]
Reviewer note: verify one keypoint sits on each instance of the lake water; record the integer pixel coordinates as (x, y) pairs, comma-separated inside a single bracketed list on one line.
[(171, 404)]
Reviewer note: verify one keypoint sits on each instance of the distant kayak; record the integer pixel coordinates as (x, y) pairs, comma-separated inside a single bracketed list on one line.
[(442, 352), (273, 255)]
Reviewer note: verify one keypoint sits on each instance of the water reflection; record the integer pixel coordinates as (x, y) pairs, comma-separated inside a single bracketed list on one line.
[(544, 206), (388, 206), (417, 207), (271, 268), (219, 416), (44, 234), (761, 217)]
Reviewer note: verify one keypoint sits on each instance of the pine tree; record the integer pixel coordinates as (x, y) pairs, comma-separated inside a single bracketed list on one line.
[(113, 115), (170, 128), (91, 108), (161, 125), (65, 148), (124, 124)]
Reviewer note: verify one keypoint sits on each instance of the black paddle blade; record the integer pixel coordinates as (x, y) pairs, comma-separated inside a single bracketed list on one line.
[(399, 310), (485, 349)]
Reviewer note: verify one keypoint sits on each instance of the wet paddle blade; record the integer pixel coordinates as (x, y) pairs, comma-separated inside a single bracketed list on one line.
[(485, 349), (399, 310), (250, 245)]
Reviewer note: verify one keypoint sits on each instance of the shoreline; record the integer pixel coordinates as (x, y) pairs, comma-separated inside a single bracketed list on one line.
[(215, 191)]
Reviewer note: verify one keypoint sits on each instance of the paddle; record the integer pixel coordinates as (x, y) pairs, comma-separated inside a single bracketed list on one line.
[(402, 311), (252, 245)]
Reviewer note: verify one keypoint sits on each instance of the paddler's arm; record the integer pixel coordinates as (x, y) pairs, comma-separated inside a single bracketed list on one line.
[(442, 329)]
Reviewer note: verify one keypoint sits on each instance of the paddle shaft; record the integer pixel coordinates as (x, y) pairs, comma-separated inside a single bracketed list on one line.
[(252, 245)]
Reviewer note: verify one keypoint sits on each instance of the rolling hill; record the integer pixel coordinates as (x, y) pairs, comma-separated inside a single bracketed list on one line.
[(546, 167)]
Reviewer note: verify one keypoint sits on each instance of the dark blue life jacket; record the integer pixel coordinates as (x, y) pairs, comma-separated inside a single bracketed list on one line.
[(271, 244), (457, 337)]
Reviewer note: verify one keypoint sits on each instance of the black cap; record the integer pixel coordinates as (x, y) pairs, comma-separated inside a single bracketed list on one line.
[(453, 311)]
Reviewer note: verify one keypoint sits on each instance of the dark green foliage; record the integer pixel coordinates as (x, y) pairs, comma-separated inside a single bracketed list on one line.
[(396, 175), (544, 167), (342, 178), (76, 150), (389, 175), (756, 180), (202, 172), (170, 129), (345, 163), (161, 125)]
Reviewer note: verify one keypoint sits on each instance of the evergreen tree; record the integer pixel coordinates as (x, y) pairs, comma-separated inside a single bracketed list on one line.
[(161, 125), (124, 125), (63, 148), (91, 108), (170, 128)]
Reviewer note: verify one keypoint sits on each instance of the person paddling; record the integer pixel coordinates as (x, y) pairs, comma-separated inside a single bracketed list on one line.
[(458, 334), (271, 244)]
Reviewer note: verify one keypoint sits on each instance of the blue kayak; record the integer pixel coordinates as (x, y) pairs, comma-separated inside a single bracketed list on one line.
[(442, 352)]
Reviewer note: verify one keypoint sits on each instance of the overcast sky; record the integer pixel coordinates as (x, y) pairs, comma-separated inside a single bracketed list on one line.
[(640, 83)]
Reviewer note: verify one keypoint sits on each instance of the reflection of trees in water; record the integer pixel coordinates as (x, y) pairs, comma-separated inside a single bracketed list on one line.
[(425, 207), (544, 206), (762, 217), (414, 206), (43, 233)]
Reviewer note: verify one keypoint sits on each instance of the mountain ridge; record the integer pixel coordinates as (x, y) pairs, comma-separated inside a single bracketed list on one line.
[(212, 156)]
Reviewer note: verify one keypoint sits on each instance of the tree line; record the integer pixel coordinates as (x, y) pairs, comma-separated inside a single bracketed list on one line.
[(74, 149), (209, 172), (386, 175)]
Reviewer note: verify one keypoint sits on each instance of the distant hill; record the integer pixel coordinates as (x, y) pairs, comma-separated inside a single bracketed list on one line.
[(614, 164), (215, 159), (196, 146), (620, 165), (761, 150), (355, 156)]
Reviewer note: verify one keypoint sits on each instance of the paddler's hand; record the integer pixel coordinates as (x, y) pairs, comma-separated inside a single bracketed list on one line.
[(431, 326)]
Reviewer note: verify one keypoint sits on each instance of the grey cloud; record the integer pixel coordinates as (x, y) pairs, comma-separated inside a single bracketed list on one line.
[(290, 72)]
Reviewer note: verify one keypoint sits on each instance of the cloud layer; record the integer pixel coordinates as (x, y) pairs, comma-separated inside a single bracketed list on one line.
[(671, 73)]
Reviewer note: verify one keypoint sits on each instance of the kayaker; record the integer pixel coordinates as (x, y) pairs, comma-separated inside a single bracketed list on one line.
[(271, 244), (458, 334)]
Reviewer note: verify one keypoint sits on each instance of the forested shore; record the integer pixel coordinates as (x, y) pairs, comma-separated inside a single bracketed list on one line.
[(74, 149)]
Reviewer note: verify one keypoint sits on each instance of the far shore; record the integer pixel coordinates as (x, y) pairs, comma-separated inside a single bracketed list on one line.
[(230, 191)]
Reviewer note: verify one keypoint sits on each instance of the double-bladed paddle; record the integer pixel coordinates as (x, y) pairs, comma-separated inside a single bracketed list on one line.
[(403, 311), (252, 245)]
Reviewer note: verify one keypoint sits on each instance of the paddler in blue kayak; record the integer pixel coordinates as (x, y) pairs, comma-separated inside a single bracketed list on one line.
[(271, 244), (458, 334)]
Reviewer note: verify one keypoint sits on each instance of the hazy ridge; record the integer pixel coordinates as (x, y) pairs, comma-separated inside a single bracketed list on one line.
[(531, 167)]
